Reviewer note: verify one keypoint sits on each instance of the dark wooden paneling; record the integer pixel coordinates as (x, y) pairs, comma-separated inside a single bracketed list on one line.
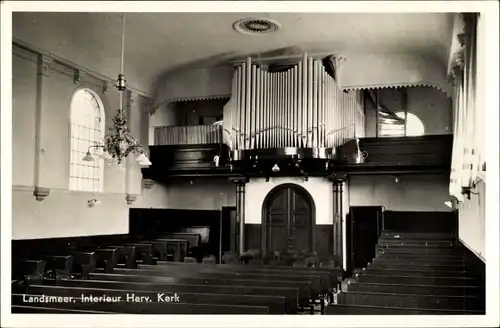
[(477, 269), (323, 241), (404, 154), (253, 236), (150, 223), (37, 249), (186, 159), (420, 221)]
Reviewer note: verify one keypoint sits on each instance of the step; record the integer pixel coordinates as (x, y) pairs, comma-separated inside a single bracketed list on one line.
[(346, 309), (415, 235), (412, 266), (415, 289), (412, 280), (420, 243), (408, 300)]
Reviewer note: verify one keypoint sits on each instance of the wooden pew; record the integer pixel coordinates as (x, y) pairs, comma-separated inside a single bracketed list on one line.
[(325, 276), (126, 255), (348, 309), (177, 245), (194, 239), (37, 309), (64, 263), (143, 252), (143, 307), (413, 280), (413, 273), (408, 301), (415, 289), (276, 304), (84, 262), (303, 287), (290, 294), (106, 257), (313, 281)]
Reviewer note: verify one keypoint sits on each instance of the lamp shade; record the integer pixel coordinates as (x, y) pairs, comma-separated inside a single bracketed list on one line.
[(146, 162), (88, 157), (141, 158)]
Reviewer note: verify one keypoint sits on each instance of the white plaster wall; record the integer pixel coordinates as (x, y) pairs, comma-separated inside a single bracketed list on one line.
[(65, 213), (471, 221), (420, 192), (319, 188)]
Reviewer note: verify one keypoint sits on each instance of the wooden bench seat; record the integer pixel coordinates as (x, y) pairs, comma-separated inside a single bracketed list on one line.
[(324, 278), (387, 271), (383, 259), (38, 309), (193, 238), (106, 257), (348, 309), (290, 294), (276, 304), (334, 274), (304, 293), (415, 289), (146, 307), (408, 300), (413, 280), (313, 282)]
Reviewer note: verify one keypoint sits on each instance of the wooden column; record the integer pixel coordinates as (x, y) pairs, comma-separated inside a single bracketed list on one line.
[(42, 126), (337, 184), (240, 211)]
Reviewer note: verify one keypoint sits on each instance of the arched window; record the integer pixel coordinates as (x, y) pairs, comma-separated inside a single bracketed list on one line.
[(414, 126), (87, 128)]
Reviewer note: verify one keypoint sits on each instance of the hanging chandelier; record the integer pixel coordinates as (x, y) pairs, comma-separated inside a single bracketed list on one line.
[(118, 143)]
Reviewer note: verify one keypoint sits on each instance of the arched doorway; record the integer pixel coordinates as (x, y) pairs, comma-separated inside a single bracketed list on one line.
[(288, 219)]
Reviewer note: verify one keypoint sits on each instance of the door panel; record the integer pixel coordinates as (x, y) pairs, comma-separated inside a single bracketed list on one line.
[(289, 221)]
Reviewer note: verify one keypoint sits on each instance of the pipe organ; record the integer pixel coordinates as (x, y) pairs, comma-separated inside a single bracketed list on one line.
[(300, 108)]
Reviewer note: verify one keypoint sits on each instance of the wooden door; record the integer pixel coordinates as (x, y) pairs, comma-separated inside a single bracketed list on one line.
[(288, 221), (364, 229)]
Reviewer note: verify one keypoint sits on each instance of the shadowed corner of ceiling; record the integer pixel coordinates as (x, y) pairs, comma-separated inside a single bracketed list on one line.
[(212, 61)]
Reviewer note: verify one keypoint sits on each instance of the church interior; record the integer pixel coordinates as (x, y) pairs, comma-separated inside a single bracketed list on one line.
[(248, 163)]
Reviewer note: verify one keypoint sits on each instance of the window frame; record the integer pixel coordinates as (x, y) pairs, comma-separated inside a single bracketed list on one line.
[(98, 160)]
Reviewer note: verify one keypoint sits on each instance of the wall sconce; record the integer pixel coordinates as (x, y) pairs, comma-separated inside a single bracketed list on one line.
[(275, 168), (216, 160), (93, 202)]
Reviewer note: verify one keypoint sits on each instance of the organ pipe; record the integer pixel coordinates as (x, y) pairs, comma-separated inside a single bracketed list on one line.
[(301, 107)]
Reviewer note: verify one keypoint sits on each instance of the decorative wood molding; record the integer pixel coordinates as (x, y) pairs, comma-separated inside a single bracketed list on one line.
[(40, 193), (337, 178), (130, 199), (148, 183), (239, 180)]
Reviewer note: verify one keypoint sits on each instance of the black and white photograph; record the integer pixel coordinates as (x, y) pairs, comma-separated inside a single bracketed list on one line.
[(207, 159)]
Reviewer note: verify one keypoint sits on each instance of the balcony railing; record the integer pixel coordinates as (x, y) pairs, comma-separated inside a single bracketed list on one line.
[(187, 135)]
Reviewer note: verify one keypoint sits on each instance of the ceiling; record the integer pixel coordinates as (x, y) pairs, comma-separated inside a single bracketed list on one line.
[(158, 43)]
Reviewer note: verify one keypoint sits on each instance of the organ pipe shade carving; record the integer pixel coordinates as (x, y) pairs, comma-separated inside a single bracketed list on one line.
[(302, 107)]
